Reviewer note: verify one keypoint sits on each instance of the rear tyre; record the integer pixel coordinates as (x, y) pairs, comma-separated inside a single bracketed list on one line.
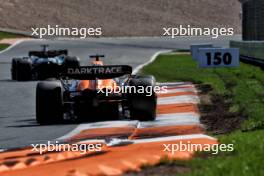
[(49, 102), (142, 106), (71, 61), (23, 70), (14, 68)]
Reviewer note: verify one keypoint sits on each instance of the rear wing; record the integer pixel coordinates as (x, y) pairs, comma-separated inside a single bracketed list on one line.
[(100, 72), (50, 53)]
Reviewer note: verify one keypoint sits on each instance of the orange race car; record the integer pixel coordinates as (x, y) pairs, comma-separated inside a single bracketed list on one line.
[(94, 93)]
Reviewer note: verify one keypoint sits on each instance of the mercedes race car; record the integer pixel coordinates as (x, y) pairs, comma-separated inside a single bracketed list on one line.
[(40, 65), (88, 93)]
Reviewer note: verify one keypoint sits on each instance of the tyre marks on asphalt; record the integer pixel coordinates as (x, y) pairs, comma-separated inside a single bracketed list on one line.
[(127, 145)]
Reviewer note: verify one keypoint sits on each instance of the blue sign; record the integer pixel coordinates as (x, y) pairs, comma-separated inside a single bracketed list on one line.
[(218, 57), (195, 49)]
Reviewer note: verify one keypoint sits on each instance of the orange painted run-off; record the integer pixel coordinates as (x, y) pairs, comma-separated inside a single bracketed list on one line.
[(115, 161), (29, 158), (176, 108), (17, 153)]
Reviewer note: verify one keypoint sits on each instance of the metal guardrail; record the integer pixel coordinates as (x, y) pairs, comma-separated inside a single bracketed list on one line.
[(251, 52), (252, 61)]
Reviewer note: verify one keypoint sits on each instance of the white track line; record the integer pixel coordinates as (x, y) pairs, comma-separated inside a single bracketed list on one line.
[(152, 59), (181, 99), (175, 84), (178, 119), (190, 115), (10, 47), (16, 43), (2, 150), (92, 141), (178, 90)]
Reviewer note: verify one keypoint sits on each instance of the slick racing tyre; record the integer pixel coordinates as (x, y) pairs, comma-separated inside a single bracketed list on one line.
[(71, 61), (49, 102), (142, 106), (14, 68), (22, 69)]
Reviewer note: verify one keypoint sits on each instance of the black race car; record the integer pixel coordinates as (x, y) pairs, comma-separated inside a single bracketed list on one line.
[(89, 93), (40, 65)]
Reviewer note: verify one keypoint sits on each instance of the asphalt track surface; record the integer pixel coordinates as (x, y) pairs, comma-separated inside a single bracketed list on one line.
[(17, 99)]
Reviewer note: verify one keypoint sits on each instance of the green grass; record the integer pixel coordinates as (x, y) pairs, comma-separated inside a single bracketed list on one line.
[(245, 83), (246, 160), (4, 35), (246, 87), (3, 46)]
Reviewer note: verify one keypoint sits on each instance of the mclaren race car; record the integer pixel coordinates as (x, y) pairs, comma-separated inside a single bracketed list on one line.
[(40, 65), (89, 93)]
